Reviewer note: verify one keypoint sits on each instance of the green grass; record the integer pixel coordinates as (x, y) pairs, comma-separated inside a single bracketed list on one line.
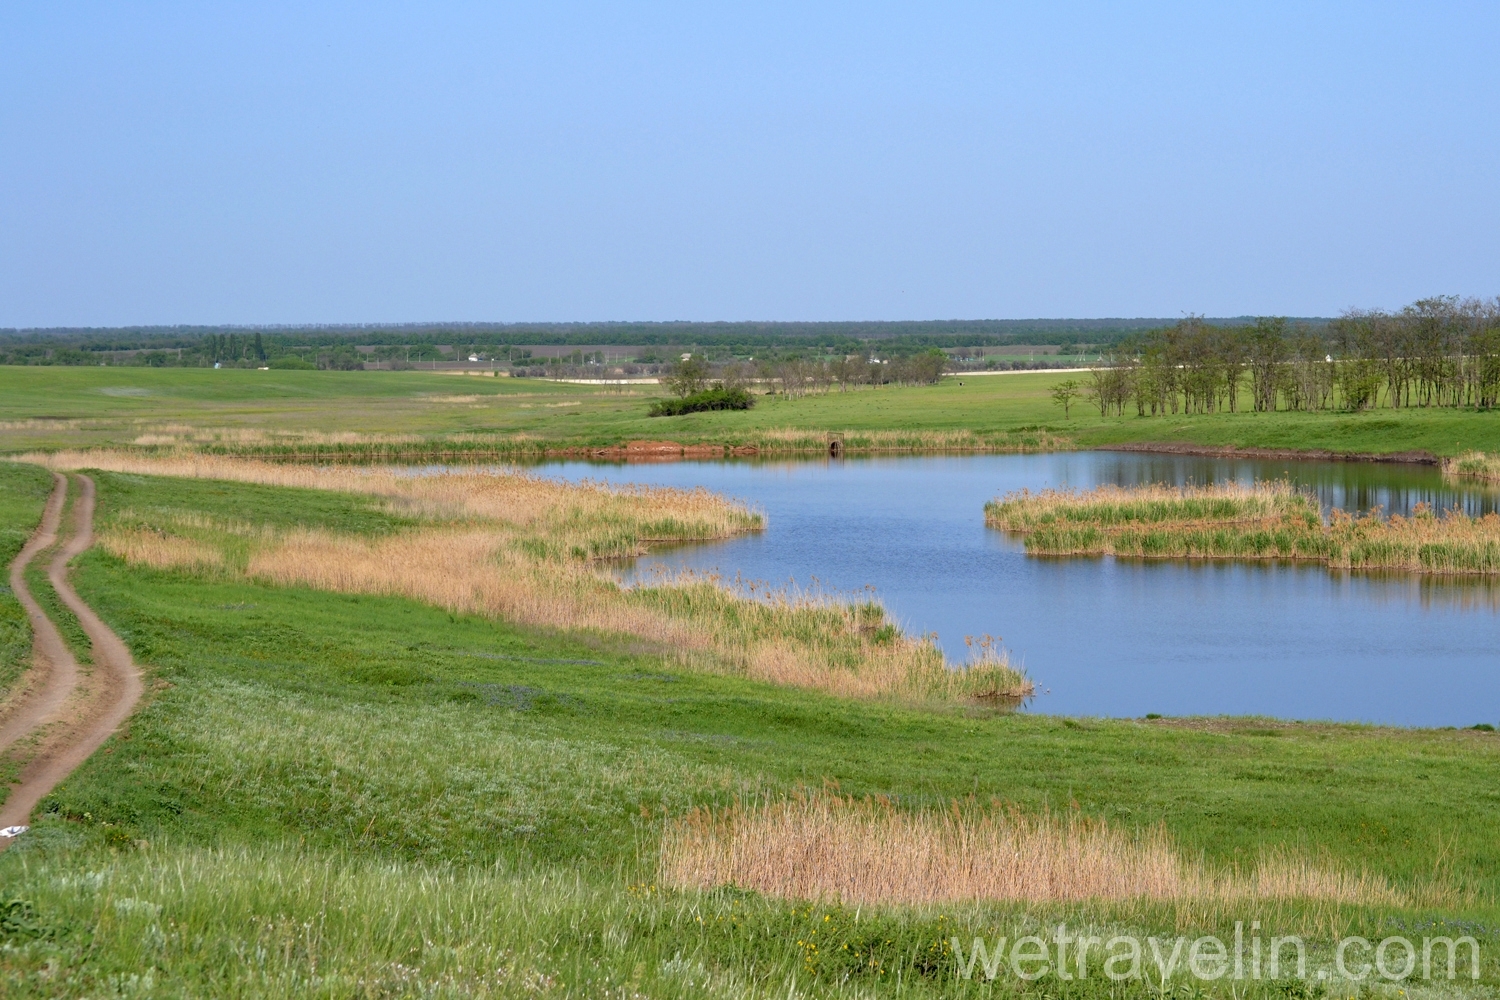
[(250, 503), (23, 494), (328, 795), (67, 623), (67, 407)]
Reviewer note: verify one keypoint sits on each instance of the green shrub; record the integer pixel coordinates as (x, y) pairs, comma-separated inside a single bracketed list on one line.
[(291, 361), (709, 399)]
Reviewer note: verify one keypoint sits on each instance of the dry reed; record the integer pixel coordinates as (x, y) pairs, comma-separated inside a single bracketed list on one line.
[(159, 549), (793, 440), (1473, 465), (825, 847), (1267, 521), (469, 571), (179, 435), (305, 445), (1117, 506)]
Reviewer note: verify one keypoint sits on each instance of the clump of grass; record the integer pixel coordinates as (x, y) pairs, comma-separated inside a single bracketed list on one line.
[(1473, 465), (1427, 542), (829, 847), (1117, 506), (860, 651), (531, 550), (1260, 522), (159, 549)]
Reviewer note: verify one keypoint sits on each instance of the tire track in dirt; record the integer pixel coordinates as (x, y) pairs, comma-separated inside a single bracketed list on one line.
[(83, 709)]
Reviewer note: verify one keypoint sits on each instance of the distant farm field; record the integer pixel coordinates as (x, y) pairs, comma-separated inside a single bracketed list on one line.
[(50, 408)]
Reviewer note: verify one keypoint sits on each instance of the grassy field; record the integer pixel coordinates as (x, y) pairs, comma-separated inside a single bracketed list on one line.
[(380, 758), (72, 407), (334, 794)]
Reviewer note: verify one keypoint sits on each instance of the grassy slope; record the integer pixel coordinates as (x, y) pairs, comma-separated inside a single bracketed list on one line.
[(367, 740), (425, 403)]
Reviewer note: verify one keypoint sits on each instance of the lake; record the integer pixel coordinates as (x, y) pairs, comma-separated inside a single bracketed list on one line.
[(1107, 637)]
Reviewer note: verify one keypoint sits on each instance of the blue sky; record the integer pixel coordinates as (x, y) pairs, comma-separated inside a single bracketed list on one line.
[(188, 163)]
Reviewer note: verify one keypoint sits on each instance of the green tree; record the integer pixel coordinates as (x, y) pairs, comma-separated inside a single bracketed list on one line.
[(688, 376), (1064, 392)]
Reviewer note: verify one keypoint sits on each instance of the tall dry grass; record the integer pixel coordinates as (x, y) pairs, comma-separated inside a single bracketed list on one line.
[(469, 571), (527, 549), (1155, 504), (192, 435), (1446, 542), (826, 847), (1261, 522), (158, 549), (306, 445), (794, 440)]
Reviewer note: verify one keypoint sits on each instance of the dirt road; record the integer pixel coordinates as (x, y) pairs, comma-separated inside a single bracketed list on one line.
[(64, 712)]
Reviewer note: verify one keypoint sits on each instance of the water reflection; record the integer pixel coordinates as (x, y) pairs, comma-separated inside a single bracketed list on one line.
[(1120, 637), (1352, 486)]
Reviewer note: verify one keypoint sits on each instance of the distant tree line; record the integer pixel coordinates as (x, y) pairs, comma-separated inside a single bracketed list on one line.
[(797, 377), (401, 344), (793, 377), (1441, 351)]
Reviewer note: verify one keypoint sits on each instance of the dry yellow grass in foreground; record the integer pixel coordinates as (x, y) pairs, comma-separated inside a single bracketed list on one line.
[(527, 549), (825, 847)]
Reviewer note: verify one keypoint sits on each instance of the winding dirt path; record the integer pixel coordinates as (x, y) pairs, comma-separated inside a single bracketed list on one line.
[(53, 673), (68, 710)]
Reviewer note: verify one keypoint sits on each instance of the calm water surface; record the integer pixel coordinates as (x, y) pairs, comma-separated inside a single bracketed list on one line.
[(1113, 637)]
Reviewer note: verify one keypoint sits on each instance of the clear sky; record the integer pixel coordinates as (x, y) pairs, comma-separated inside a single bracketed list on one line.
[(313, 162)]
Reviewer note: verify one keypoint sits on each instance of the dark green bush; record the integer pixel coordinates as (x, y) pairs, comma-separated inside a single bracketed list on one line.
[(709, 399)]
